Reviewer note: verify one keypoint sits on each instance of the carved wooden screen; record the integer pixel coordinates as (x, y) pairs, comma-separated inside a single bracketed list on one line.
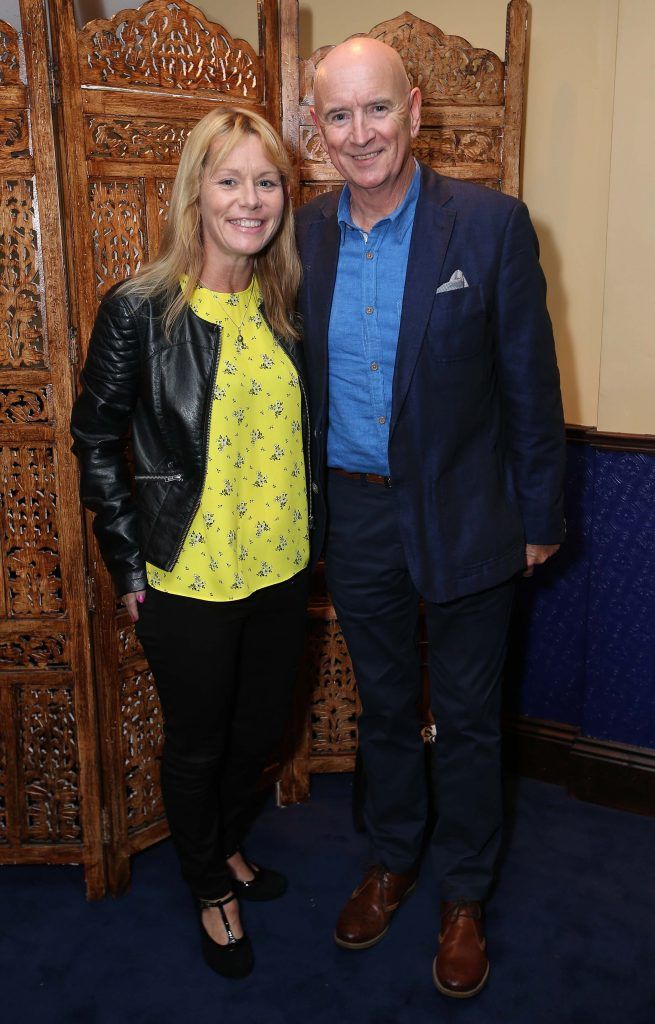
[(131, 89), (49, 786), (471, 128)]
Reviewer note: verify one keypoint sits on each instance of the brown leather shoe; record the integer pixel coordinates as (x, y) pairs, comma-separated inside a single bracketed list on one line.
[(461, 967), (365, 918)]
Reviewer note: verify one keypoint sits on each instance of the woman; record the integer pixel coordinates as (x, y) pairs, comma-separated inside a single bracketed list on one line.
[(199, 356)]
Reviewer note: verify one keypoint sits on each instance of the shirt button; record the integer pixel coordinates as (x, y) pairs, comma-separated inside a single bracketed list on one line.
[(315, 488), (369, 255), (374, 366), (382, 419), (369, 310)]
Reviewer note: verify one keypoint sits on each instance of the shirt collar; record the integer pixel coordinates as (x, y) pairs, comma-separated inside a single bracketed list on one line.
[(400, 219)]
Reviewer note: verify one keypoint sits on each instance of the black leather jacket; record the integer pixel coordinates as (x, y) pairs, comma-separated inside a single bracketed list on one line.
[(135, 377)]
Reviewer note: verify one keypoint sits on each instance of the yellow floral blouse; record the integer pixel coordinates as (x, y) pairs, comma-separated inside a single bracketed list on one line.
[(251, 528)]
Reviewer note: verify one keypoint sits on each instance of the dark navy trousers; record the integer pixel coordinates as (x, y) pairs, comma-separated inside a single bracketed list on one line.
[(377, 606)]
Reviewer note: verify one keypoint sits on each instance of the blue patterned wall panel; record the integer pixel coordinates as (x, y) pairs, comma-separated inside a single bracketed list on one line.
[(547, 652), (619, 699)]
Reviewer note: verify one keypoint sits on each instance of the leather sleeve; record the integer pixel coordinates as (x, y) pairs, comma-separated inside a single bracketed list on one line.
[(100, 426), (533, 422)]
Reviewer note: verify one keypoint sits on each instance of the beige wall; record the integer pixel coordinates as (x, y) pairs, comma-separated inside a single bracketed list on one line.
[(587, 141), (627, 380)]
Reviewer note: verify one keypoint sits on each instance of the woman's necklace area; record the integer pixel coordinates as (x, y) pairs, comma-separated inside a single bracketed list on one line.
[(231, 318)]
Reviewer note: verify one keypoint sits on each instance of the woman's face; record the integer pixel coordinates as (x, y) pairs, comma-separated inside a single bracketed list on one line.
[(241, 203)]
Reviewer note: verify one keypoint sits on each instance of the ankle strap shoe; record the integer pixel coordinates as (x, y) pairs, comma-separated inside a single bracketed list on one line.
[(233, 960)]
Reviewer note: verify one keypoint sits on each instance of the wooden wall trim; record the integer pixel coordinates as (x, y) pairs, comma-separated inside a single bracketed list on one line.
[(615, 775), (608, 441)]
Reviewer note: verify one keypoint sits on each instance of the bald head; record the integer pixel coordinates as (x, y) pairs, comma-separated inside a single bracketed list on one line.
[(367, 114), (362, 52)]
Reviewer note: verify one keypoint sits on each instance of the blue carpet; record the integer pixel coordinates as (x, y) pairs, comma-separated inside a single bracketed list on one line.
[(571, 931)]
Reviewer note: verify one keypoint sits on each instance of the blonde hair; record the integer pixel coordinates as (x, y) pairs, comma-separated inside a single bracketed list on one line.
[(277, 266)]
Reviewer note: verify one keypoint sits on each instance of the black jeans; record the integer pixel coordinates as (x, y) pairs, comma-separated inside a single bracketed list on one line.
[(225, 673)]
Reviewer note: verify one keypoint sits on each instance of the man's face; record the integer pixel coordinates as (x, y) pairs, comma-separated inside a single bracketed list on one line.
[(367, 115)]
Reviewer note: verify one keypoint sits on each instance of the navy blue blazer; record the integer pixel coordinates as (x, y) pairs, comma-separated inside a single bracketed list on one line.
[(476, 438)]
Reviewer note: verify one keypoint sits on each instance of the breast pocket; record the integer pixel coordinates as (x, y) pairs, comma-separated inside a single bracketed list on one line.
[(458, 324)]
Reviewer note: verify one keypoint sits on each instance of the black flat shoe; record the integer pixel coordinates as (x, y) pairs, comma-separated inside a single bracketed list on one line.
[(266, 885), (234, 960)]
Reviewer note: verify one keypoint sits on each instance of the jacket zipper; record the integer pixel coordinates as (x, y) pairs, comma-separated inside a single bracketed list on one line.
[(214, 373), (162, 477)]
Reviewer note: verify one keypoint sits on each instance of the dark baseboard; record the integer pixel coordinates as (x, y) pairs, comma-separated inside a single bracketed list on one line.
[(600, 771), (603, 439)]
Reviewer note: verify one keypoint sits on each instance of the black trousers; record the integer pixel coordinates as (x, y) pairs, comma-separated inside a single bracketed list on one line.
[(224, 673), (377, 607)]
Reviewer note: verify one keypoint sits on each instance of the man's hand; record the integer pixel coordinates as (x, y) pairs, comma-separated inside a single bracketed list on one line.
[(132, 602), (537, 554)]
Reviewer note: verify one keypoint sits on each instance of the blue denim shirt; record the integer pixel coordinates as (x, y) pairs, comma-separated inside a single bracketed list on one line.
[(363, 334)]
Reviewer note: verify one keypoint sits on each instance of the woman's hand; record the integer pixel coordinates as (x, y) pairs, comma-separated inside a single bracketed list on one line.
[(132, 602)]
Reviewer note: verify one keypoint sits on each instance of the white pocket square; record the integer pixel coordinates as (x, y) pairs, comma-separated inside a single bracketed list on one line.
[(457, 281)]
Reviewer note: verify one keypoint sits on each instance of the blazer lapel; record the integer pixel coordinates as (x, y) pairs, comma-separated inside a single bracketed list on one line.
[(433, 225)]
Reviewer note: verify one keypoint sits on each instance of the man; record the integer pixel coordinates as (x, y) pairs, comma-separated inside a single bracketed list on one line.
[(438, 433)]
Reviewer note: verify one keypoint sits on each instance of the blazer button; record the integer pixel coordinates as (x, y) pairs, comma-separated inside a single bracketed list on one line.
[(315, 488)]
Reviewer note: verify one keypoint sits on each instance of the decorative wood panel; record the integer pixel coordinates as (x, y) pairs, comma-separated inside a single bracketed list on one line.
[(165, 45), (30, 535), (142, 740), (22, 341), (118, 230), (48, 750), (47, 717), (335, 702)]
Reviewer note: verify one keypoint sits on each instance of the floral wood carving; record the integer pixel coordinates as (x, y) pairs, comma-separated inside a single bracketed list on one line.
[(49, 764), (164, 189), (443, 147), (165, 45), (312, 150), (447, 69), (34, 652), (23, 405), (117, 218), (9, 55), (438, 147), (136, 139), (21, 324), (128, 645), (335, 703), (14, 134), (30, 538), (143, 737)]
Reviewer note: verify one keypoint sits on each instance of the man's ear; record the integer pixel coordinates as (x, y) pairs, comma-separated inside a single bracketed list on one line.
[(415, 101)]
